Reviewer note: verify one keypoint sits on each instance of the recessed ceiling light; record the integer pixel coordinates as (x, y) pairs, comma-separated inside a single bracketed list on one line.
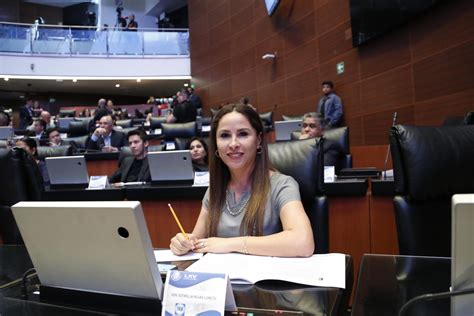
[(6, 78), (117, 85), (74, 80), (139, 80)]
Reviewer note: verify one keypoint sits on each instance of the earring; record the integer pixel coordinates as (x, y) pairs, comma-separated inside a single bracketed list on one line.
[(259, 150), (216, 153)]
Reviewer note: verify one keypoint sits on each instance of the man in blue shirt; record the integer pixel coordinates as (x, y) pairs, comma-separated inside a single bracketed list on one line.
[(330, 105)]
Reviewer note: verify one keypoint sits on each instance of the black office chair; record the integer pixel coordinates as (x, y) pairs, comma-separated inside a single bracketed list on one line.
[(292, 117), (430, 165), (124, 123), (21, 181), (267, 120), (54, 151), (304, 162), (156, 122), (78, 128), (183, 130)]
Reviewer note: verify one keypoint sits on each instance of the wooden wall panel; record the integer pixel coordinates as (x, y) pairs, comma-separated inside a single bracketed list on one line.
[(384, 54), (445, 73), (423, 69), (447, 25), (387, 90)]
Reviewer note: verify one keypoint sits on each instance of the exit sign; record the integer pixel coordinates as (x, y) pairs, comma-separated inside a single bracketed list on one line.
[(340, 68)]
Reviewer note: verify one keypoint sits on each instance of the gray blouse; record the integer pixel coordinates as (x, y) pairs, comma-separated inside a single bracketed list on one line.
[(284, 189)]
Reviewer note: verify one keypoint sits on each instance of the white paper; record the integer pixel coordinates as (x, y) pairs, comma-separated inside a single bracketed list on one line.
[(170, 146), (329, 173), (327, 270), (98, 182), (157, 131), (201, 178), (165, 255)]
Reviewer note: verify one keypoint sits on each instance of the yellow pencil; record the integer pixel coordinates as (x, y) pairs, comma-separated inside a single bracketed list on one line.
[(177, 221)]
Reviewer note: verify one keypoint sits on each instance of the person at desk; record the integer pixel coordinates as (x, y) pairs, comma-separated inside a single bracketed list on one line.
[(313, 127), (105, 138), (248, 207), (199, 154), (134, 168)]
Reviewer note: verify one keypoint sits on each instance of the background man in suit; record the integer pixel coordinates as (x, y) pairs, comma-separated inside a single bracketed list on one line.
[(330, 105), (134, 168), (105, 138), (39, 127), (26, 114)]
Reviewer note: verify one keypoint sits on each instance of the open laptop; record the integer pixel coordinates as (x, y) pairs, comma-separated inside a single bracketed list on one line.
[(99, 247), (462, 266), (168, 167), (67, 171), (6, 132), (283, 129)]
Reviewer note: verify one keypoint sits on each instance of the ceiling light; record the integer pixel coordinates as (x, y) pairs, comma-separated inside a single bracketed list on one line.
[(117, 85), (6, 78), (139, 80), (186, 84), (74, 80)]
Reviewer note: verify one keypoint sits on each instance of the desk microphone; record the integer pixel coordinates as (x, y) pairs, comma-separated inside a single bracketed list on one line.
[(394, 122)]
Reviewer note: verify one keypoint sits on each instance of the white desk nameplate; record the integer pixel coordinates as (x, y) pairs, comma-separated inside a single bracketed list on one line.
[(197, 293)]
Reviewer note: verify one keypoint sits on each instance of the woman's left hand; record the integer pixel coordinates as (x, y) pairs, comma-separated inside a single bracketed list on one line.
[(212, 244)]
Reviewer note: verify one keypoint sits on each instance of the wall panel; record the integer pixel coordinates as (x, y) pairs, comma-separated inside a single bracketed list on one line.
[(423, 69)]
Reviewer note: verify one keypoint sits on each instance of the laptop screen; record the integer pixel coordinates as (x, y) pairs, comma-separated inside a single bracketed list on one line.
[(90, 246), (171, 167), (462, 266), (69, 170)]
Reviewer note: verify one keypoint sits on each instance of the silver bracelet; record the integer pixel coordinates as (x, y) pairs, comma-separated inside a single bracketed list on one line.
[(245, 251)]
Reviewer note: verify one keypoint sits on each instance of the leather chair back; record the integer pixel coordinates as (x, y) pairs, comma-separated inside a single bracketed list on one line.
[(173, 130), (124, 123), (156, 122), (80, 141), (3, 143), (54, 151), (267, 120), (304, 162), (78, 128), (430, 165)]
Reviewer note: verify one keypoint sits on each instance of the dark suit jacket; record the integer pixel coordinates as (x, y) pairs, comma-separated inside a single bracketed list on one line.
[(25, 118), (117, 139), (121, 174)]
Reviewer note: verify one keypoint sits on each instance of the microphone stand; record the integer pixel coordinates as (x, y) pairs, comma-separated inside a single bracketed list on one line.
[(394, 121)]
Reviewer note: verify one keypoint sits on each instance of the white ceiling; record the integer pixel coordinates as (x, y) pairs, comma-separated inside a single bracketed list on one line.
[(14, 88)]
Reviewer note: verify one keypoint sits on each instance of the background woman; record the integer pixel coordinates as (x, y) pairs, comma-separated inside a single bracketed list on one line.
[(249, 207), (30, 145), (199, 154)]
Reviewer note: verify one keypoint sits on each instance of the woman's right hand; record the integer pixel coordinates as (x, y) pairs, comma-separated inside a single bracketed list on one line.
[(180, 245)]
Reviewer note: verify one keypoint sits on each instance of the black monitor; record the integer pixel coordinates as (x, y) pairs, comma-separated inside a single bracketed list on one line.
[(370, 18)]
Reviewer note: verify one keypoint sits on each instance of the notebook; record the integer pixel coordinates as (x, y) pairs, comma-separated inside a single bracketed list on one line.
[(462, 266), (6, 132), (99, 247), (168, 167), (70, 171), (283, 129)]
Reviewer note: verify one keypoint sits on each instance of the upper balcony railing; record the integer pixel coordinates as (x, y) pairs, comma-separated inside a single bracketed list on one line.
[(93, 41)]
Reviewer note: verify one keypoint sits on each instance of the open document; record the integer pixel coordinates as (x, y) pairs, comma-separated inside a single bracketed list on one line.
[(328, 270)]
